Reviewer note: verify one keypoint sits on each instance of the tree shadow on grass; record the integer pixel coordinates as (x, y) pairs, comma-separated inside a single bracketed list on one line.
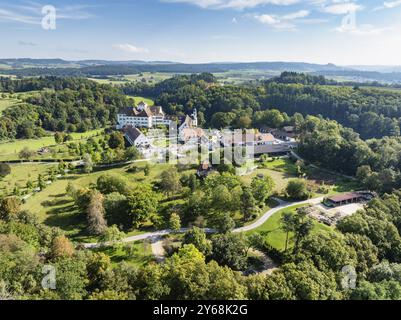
[(60, 195), (63, 210), (55, 203), (69, 178), (66, 222)]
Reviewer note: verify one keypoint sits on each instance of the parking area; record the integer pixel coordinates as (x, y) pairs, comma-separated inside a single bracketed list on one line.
[(330, 216), (345, 210)]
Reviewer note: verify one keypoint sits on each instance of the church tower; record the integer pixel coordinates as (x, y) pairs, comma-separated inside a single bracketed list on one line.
[(195, 118)]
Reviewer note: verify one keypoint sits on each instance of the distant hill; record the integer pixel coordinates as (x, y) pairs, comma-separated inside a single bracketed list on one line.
[(103, 68), (28, 62), (362, 76), (272, 66)]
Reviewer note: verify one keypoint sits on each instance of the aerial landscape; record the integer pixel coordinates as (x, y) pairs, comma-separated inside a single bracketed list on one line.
[(223, 150)]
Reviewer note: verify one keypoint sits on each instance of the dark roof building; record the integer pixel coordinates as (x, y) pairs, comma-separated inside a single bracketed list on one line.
[(350, 197), (272, 149), (205, 168)]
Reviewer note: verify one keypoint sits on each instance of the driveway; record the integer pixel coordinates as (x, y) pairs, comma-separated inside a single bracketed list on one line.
[(255, 225), (270, 213)]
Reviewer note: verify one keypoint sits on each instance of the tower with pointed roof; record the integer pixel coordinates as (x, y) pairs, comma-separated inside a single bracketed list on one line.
[(195, 118)]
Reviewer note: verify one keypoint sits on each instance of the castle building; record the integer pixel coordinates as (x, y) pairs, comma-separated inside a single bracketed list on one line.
[(143, 116)]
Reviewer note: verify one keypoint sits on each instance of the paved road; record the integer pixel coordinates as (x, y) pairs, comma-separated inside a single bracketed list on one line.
[(268, 214), (155, 235)]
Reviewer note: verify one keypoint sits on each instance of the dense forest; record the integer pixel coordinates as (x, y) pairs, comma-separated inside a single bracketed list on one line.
[(208, 266), (48, 67), (204, 266), (63, 104), (376, 162), (373, 113), (72, 104)]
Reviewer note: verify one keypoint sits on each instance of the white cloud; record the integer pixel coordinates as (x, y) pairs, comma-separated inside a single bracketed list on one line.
[(31, 13), (129, 48), (282, 22), (392, 4), (233, 4), (296, 15), (342, 8), (8, 15), (389, 5), (267, 19)]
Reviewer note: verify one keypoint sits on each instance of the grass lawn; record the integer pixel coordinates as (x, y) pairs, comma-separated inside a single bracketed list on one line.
[(138, 254), (280, 178), (55, 208), (20, 174), (283, 170), (148, 101), (9, 150), (14, 99), (8, 102), (282, 165), (276, 237)]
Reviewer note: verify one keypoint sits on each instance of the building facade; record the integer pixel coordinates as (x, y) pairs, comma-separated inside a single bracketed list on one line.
[(143, 116)]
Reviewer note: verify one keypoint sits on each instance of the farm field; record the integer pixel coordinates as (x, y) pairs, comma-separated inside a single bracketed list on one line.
[(111, 81), (239, 77), (149, 77)]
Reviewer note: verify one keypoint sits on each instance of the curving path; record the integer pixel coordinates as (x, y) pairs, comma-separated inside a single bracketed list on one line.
[(282, 205), (157, 234)]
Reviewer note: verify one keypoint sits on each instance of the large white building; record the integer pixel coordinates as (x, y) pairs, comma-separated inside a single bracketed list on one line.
[(143, 116)]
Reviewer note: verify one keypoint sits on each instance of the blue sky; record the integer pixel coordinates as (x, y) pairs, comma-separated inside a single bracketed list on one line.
[(322, 31)]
